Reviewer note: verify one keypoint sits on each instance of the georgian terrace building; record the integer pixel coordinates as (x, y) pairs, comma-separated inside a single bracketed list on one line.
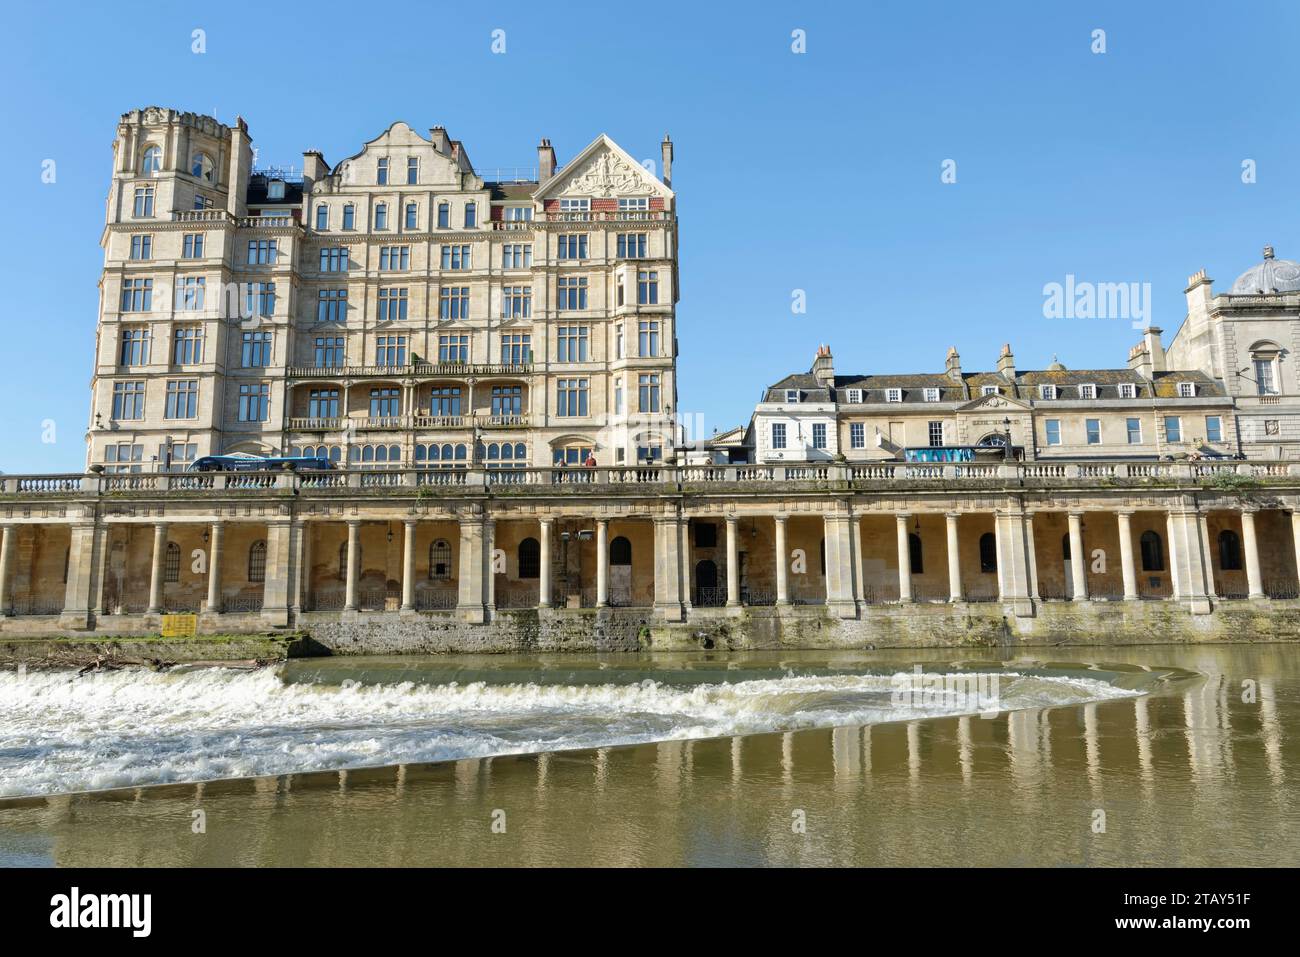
[(1228, 385), (396, 308)]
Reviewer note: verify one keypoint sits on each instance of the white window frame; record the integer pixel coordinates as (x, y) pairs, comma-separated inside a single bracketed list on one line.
[(932, 394), (1047, 392), (792, 396), (989, 390), (1088, 390), (1187, 390), (893, 395), (855, 396), (1127, 390)]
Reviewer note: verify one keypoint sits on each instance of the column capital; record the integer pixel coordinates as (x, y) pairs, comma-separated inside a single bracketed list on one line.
[(903, 517), (780, 519), (354, 523), (952, 516)]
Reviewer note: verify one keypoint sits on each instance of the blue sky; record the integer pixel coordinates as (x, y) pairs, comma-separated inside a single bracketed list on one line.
[(817, 171)]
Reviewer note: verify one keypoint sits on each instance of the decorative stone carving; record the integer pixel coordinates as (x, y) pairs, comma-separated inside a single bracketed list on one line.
[(606, 175)]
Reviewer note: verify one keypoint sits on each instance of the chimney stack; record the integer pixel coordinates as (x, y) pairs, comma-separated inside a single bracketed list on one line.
[(952, 365), (1007, 363), (241, 167), (823, 367), (441, 141), (667, 149), (545, 161)]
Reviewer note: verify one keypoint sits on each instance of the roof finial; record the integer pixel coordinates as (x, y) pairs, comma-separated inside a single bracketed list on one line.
[(1268, 252)]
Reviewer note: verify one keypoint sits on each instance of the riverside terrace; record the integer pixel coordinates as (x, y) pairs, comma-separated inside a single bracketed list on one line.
[(698, 556)]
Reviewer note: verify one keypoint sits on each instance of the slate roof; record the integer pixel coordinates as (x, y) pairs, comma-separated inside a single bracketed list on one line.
[(256, 195)]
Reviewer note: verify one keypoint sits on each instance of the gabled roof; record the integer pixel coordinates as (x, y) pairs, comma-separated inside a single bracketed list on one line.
[(579, 176)]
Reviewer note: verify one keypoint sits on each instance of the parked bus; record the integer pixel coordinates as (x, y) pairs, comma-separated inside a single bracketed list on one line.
[(255, 463)]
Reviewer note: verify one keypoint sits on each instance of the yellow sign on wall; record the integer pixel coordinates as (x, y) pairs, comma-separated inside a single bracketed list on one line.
[(180, 626)]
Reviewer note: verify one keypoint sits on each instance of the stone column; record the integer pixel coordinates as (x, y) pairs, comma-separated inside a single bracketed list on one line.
[(469, 576), (783, 562), (275, 586), (302, 563), (602, 562), (1126, 555), (954, 557), (1078, 559), (860, 575), (1295, 535), (354, 573), (1031, 546), (1014, 576), (670, 577), (159, 559), (544, 563), (1203, 521), (490, 572), (8, 537), (1254, 579), (77, 600), (733, 564), (408, 565), (1187, 562), (841, 597), (214, 569), (904, 558)]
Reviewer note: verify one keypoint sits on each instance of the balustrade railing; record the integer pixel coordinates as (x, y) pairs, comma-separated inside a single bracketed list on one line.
[(856, 476)]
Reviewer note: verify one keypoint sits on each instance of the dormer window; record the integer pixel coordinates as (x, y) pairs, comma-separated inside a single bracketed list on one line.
[(1187, 390), (931, 395), (989, 390), (1127, 390), (1047, 392), (1087, 391), (893, 395), (275, 189), (792, 396), (855, 396)]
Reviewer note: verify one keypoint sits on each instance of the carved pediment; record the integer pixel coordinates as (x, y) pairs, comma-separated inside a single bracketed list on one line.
[(995, 402), (604, 170)]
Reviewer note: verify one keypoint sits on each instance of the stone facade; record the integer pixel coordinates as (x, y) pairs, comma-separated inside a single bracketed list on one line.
[(618, 558), (397, 308)]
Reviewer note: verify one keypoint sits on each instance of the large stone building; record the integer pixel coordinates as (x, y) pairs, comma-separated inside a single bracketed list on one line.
[(395, 308)]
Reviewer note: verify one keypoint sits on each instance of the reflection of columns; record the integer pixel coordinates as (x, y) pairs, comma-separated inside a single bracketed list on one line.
[(783, 567), (1126, 556), (904, 559), (159, 557), (1249, 539), (408, 565), (354, 550), (214, 568), (1078, 560), (8, 535), (954, 558), (544, 565), (602, 562), (733, 563)]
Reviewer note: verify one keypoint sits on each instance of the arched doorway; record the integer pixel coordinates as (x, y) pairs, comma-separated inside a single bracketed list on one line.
[(707, 592), (620, 571)]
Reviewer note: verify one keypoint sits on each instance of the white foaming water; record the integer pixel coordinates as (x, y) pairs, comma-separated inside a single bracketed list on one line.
[(60, 732)]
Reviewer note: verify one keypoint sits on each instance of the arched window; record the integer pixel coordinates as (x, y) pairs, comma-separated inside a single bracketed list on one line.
[(988, 552), (349, 216), (915, 558), (381, 216), (1153, 552), (530, 558), (440, 559), (152, 162), (172, 564), (257, 562), (620, 551), (322, 218), (1229, 551), (202, 168)]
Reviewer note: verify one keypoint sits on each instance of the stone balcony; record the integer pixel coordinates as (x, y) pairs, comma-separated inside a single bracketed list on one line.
[(419, 370)]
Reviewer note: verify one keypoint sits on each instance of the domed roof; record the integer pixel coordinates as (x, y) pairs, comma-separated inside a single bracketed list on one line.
[(1270, 277)]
